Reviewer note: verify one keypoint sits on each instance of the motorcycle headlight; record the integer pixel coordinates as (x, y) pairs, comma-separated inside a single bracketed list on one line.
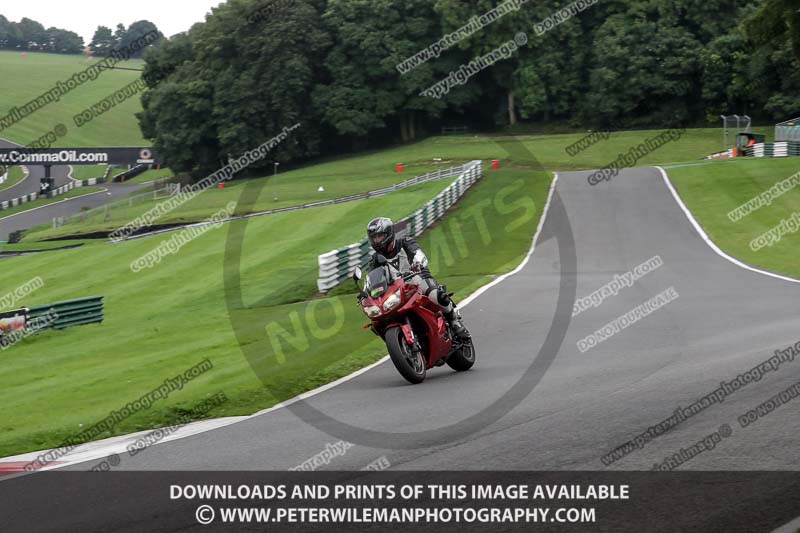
[(391, 302), (372, 311)]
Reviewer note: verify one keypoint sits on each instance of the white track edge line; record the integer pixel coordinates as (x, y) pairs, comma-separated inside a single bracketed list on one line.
[(708, 240), (51, 204), (790, 526), (357, 373)]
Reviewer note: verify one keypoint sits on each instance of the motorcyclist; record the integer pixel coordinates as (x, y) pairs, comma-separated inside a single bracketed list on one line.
[(405, 255)]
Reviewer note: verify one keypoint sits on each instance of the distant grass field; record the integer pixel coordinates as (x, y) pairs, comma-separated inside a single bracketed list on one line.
[(712, 191), (26, 77), (156, 328), (15, 175), (344, 176)]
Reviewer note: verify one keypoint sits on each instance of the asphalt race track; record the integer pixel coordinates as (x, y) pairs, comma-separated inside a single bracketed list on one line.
[(725, 321), (31, 184), (65, 207)]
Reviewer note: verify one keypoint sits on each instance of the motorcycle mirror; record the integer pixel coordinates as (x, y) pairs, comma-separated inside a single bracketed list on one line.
[(357, 275)]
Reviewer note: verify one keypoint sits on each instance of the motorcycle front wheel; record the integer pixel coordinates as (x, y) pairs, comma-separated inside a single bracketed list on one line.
[(411, 366)]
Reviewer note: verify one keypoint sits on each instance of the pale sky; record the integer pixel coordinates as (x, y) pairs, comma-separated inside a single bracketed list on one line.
[(83, 16)]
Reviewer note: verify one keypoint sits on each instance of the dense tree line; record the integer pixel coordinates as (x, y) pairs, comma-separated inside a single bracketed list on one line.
[(104, 41), (255, 66), (29, 35)]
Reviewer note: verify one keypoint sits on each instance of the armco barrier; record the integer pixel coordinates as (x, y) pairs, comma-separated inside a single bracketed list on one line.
[(34, 195), (777, 149), (71, 312), (130, 173), (337, 265), (55, 192), (93, 181), (14, 202), (430, 176)]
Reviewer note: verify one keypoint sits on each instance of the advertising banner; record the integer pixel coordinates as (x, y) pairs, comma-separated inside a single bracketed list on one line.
[(78, 156)]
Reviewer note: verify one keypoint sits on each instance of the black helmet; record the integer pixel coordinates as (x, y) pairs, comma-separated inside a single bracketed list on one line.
[(380, 232)]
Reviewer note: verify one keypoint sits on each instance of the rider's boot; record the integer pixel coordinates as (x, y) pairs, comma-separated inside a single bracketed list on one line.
[(451, 313), (453, 318)]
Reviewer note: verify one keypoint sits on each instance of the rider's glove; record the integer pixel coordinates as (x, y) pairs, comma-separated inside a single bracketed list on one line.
[(420, 260)]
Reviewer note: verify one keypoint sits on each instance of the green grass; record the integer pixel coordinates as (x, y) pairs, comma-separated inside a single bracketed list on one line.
[(712, 191), (85, 172), (151, 175), (156, 328), (74, 193), (15, 175), (24, 78), (344, 176), (291, 188)]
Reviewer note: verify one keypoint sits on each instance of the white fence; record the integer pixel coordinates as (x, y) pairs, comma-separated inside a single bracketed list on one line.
[(337, 265)]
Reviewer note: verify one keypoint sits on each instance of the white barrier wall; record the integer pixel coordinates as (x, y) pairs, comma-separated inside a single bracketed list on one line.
[(337, 265)]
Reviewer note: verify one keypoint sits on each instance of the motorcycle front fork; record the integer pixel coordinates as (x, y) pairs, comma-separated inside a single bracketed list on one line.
[(415, 347)]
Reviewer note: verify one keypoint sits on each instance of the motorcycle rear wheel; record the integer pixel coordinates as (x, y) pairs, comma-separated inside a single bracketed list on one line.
[(410, 366)]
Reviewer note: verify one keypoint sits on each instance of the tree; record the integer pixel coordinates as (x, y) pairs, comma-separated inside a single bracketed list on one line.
[(455, 14), (176, 116), (774, 20), (256, 66), (163, 61), (33, 33), (135, 31), (119, 33), (643, 65), (63, 41), (550, 81), (727, 85), (228, 86), (364, 91), (10, 34), (775, 80), (103, 41)]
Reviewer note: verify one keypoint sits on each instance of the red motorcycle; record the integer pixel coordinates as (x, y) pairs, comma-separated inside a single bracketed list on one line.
[(413, 328)]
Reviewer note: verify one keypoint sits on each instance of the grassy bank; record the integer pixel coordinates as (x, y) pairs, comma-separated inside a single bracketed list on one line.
[(712, 191), (41, 72), (15, 175)]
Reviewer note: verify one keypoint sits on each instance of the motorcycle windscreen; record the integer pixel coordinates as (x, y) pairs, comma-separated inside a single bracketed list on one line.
[(377, 282)]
